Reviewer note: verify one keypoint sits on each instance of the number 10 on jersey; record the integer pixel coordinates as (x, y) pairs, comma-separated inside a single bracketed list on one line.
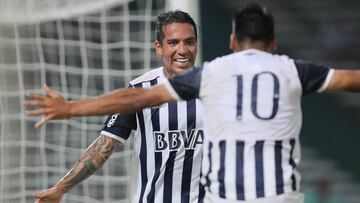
[(254, 95)]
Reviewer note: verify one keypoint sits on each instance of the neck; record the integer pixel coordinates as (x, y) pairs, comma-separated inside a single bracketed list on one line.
[(259, 45), (167, 73), (251, 45)]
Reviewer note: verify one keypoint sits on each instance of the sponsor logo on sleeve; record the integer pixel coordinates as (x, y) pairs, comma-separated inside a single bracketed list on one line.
[(112, 120)]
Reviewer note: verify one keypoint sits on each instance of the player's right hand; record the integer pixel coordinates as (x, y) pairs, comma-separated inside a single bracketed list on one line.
[(50, 107), (52, 195)]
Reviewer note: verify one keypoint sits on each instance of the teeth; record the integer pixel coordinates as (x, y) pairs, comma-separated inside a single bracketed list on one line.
[(182, 60)]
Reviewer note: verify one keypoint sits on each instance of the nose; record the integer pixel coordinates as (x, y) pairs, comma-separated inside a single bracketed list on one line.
[(182, 48)]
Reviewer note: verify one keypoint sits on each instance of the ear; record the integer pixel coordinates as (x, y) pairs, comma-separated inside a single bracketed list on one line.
[(158, 48), (233, 42)]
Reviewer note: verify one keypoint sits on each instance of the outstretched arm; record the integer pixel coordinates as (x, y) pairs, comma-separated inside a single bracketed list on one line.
[(345, 80), (93, 159), (127, 100)]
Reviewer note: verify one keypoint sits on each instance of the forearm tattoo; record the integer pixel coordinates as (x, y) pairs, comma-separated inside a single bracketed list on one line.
[(93, 158)]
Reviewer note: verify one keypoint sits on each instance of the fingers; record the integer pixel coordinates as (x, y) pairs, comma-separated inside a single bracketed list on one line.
[(35, 95), (48, 90), (51, 92), (40, 123), (50, 107), (37, 112), (34, 103), (43, 121), (34, 99), (39, 195)]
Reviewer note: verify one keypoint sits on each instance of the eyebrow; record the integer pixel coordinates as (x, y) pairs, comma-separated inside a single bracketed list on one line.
[(187, 39)]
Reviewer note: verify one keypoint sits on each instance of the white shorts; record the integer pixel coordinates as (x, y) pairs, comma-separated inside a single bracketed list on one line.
[(292, 197)]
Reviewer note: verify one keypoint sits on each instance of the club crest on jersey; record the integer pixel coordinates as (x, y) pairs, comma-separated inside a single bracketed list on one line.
[(157, 107), (112, 120), (174, 140)]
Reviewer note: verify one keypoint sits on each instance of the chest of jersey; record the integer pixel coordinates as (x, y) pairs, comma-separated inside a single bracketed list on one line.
[(172, 126)]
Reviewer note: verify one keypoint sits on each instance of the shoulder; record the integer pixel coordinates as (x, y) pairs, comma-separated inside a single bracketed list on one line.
[(247, 55), (222, 59), (283, 58), (148, 76), (313, 76)]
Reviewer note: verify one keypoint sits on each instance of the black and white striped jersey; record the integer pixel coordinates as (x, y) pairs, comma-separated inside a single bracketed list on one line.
[(251, 101), (167, 146)]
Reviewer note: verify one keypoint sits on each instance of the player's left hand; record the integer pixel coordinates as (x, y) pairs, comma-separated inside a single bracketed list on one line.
[(50, 107), (52, 195)]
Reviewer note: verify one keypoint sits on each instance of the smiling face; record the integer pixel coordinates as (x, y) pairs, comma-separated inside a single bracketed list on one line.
[(178, 48)]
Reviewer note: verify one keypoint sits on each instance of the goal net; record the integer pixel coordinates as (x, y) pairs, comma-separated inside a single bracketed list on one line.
[(80, 48)]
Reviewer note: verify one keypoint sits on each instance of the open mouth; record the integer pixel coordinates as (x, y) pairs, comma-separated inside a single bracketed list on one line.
[(182, 60)]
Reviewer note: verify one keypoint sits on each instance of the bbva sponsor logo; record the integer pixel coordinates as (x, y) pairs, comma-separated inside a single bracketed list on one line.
[(174, 140)]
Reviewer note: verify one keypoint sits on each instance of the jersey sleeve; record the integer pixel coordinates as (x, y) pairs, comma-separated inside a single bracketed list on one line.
[(185, 86), (313, 77), (119, 126)]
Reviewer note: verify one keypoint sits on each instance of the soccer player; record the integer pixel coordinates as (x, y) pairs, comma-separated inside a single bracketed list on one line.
[(167, 138), (251, 101)]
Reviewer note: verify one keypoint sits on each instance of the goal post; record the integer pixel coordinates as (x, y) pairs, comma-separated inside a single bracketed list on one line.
[(35, 11)]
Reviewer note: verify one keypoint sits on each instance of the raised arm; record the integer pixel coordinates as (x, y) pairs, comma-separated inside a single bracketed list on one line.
[(92, 160), (127, 100), (345, 80)]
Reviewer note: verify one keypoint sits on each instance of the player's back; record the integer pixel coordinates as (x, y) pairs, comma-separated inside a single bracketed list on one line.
[(256, 93), (251, 101)]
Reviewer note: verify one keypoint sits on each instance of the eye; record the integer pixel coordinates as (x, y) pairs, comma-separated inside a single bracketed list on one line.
[(191, 42), (172, 42)]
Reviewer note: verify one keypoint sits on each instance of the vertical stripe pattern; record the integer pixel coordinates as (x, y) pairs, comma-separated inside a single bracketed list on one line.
[(207, 177), (155, 120), (143, 153), (168, 179), (255, 186), (278, 168), (221, 173), (188, 159), (292, 163), (240, 170), (259, 168)]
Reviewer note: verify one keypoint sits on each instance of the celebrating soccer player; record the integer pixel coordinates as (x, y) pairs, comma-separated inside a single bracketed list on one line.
[(167, 139)]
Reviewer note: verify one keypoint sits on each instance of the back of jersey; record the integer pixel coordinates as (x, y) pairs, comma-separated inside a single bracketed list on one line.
[(261, 100), (251, 101)]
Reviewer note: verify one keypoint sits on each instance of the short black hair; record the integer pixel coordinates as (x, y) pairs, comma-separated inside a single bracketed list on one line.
[(175, 16), (254, 23)]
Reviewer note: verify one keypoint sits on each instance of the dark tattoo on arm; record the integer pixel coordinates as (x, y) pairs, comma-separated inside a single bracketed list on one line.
[(89, 166), (93, 159)]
